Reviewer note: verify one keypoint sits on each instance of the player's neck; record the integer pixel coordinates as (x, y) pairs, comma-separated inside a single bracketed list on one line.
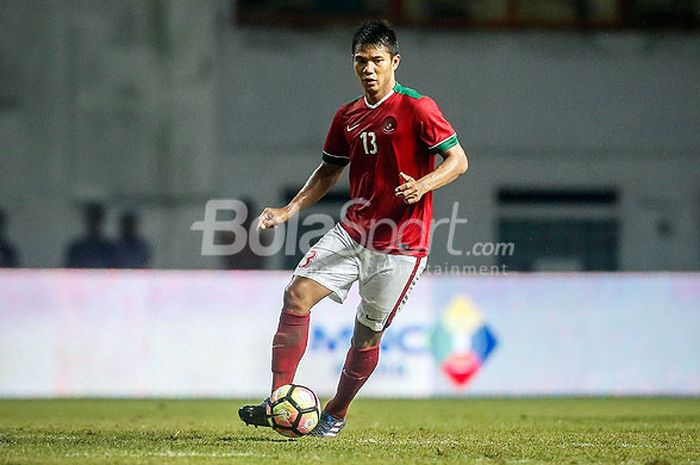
[(372, 99)]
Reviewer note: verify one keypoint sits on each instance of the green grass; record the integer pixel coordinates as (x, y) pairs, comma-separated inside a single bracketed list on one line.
[(481, 431)]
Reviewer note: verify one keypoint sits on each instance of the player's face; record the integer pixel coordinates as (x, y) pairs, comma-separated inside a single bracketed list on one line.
[(375, 68)]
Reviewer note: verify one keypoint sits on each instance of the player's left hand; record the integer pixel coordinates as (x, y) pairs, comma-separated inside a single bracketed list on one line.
[(411, 190)]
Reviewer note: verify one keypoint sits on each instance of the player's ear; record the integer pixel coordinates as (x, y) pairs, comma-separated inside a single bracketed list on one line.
[(395, 61)]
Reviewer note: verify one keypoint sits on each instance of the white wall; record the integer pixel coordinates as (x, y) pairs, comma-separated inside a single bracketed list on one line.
[(531, 109), (603, 110), (116, 104), (524, 90)]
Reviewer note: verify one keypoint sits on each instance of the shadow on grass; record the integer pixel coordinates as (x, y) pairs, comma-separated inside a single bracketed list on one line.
[(257, 439)]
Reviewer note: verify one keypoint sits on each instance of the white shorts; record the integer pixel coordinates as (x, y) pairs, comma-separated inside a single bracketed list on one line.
[(336, 262)]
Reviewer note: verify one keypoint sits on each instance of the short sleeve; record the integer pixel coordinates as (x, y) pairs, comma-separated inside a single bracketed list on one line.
[(434, 130), (335, 150)]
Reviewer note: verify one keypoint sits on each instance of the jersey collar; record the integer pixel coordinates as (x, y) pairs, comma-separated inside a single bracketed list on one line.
[(384, 99)]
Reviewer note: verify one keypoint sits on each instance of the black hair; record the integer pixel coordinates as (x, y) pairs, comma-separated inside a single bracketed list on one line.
[(94, 211), (129, 216), (375, 33)]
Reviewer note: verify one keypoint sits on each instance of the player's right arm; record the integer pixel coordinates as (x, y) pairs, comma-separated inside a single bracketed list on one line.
[(335, 158), (319, 183)]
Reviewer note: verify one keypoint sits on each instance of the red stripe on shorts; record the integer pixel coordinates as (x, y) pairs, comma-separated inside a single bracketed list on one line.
[(403, 293)]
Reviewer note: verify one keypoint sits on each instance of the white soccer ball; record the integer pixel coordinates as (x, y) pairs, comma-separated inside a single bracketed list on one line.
[(293, 410)]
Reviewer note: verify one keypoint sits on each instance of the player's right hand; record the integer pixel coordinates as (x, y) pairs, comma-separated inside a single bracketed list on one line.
[(271, 217)]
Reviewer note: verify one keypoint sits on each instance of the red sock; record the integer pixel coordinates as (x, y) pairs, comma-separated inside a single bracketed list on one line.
[(359, 365), (288, 346)]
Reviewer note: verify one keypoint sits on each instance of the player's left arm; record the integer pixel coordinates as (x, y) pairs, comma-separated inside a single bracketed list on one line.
[(455, 164)]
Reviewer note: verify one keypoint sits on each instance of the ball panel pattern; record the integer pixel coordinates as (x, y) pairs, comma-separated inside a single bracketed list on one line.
[(293, 410)]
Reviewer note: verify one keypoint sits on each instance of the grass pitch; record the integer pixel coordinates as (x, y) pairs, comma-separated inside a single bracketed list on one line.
[(444, 431)]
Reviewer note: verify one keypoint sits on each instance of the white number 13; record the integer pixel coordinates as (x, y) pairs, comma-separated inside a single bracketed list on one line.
[(369, 142)]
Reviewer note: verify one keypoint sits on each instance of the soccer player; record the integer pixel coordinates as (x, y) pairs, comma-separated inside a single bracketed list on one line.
[(389, 137)]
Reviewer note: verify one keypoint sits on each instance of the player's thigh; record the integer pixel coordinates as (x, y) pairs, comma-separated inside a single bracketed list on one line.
[(332, 263), (385, 284), (301, 294)]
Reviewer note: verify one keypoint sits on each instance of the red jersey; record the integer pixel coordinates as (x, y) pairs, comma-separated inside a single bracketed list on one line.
[(400, 133)]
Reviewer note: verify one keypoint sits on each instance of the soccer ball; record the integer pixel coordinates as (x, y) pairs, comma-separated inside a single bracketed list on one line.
[(293, 410)]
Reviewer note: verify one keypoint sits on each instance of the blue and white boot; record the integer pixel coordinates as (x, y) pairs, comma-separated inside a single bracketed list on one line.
[(328, 426)]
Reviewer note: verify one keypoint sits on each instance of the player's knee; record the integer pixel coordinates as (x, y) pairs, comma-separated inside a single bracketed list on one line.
[(364, 337), (295, 301), (366, 343)]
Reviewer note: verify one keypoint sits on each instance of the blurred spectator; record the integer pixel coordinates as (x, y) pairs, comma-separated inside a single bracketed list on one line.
[(679, 14), (8, 254), (246, 259), (132, 250), (582, 8), (338, 7), (92, 250), (449, 9)]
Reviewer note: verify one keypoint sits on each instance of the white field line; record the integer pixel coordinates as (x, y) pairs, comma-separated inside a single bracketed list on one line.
[(167, 453)]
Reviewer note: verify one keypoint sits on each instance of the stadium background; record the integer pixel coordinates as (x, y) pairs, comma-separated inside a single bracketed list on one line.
[(583, 139)]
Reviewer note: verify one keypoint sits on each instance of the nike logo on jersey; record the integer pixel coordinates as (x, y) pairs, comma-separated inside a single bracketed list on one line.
[(351, 128)]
